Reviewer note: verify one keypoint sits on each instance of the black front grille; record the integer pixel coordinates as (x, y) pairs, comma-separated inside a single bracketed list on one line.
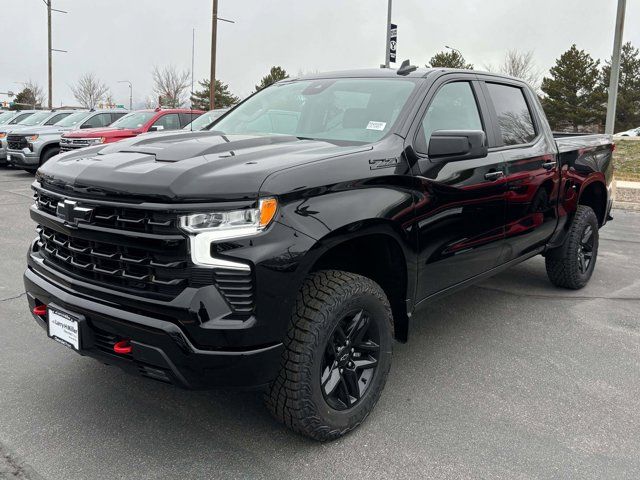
[(17, 142), (160, 268), (134, 250)]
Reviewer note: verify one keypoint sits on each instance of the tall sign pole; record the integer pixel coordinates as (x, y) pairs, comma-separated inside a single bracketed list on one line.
[(387, 48), (50, 70), (214, 34), (615, 68)]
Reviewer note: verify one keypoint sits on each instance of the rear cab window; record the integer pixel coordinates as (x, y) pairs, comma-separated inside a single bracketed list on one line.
[(515, 122)]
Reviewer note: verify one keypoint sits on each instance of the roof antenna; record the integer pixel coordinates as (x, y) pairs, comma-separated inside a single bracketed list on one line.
[(406, 68)]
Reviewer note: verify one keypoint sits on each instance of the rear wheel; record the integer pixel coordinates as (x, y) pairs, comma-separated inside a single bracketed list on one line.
[(337, 356), (571, 265)]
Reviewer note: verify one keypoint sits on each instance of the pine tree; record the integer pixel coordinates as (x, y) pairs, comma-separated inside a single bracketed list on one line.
[(24, 100), (224, 98), (275, 75), (573, 91), (452, 59), (628, 104)]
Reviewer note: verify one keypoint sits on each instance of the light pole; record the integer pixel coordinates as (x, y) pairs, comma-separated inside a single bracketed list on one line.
[(130, 92), (615, 69), (454, 49), (214, 34)]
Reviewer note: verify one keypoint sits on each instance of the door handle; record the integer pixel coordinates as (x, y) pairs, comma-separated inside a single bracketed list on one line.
[(494, 175), (549, 165)]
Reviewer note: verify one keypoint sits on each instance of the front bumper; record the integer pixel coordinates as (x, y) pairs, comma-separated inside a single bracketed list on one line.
[(161, 349), (20, 158), (3, 151)]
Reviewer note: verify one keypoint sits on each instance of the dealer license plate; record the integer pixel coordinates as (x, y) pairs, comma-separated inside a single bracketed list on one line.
[(64, 328)]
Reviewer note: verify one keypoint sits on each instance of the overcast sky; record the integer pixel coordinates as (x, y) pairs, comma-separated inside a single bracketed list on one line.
[(124, 39)]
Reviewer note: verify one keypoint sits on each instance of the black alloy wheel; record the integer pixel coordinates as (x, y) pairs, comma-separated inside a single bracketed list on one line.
[(350, 360)]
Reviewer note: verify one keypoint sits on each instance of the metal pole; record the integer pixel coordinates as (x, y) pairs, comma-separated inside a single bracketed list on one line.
[(214, 33), (130, 96), (193, 50), (615, 68), (49, 54), (387, 51)]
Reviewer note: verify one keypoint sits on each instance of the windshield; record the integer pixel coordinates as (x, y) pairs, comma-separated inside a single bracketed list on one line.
[(19, 118), (35, 119), (4, 116), (350, 109), (133, 120), (72, 119), (205, 119)]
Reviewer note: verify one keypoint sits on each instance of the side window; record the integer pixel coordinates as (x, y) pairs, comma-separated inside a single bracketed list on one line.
[(97, 121), (56, 118), (170, 121), (454, 107), (514, 116), (187, 118), (116, 116)]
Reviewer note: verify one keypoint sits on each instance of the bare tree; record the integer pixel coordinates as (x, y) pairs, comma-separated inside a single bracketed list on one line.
[(171, 85), (150, 102), (36, 90), (89, 91), (520, 65)]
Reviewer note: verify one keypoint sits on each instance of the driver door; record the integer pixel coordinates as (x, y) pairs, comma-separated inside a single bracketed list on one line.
[(460, 214)]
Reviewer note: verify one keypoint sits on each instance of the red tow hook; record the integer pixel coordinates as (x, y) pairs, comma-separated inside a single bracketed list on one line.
[(40, 310), (123, 347)]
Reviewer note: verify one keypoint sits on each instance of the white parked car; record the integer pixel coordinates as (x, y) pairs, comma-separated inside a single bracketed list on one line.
[(634, 132)]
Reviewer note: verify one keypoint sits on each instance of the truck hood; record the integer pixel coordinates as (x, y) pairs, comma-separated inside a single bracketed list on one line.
[(42, 130), (185, 166), (102, 132)]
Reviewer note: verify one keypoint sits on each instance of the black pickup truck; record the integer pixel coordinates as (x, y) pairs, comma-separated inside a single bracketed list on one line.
[(288, 246)]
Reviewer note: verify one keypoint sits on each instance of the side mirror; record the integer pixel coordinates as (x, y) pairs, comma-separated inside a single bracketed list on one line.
[(455, 145), (156, 128)]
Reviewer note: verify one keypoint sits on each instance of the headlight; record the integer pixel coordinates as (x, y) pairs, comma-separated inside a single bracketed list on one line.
[(32, 138), (96, 141), (205, 228), (3, 134)]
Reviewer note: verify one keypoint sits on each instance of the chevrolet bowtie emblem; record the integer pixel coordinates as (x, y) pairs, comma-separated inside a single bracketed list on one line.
[(71, 212)]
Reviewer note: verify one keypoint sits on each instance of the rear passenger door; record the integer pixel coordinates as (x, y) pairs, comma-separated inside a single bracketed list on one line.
[(531, 168), (461, 209)]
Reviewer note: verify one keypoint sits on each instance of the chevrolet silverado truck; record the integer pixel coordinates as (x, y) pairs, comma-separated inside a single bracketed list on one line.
[(8, 120), (289, 245), (41, 118), (31, 147), (131, 125)]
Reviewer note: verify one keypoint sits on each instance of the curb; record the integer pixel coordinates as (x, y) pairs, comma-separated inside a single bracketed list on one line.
[(627, 196)]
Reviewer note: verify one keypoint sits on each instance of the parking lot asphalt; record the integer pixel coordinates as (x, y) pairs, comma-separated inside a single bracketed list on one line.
[(510, 379)]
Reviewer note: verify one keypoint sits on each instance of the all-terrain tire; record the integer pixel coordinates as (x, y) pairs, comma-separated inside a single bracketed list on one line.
[(296, 397), (564, 267)]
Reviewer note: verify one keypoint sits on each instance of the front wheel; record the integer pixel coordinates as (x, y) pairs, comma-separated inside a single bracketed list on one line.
[(571, 265), (337, 356)]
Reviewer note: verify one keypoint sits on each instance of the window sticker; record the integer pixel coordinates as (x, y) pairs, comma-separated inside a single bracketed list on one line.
[(376, 125)]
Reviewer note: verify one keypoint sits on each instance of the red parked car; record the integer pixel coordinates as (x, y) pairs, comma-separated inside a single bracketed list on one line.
[(131, 125)]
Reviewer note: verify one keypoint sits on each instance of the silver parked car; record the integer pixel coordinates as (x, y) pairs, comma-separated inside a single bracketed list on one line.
[(40, 118), (31, 147)]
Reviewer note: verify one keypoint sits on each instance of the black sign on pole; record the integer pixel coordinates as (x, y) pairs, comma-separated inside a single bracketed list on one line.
[(393, 42)]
